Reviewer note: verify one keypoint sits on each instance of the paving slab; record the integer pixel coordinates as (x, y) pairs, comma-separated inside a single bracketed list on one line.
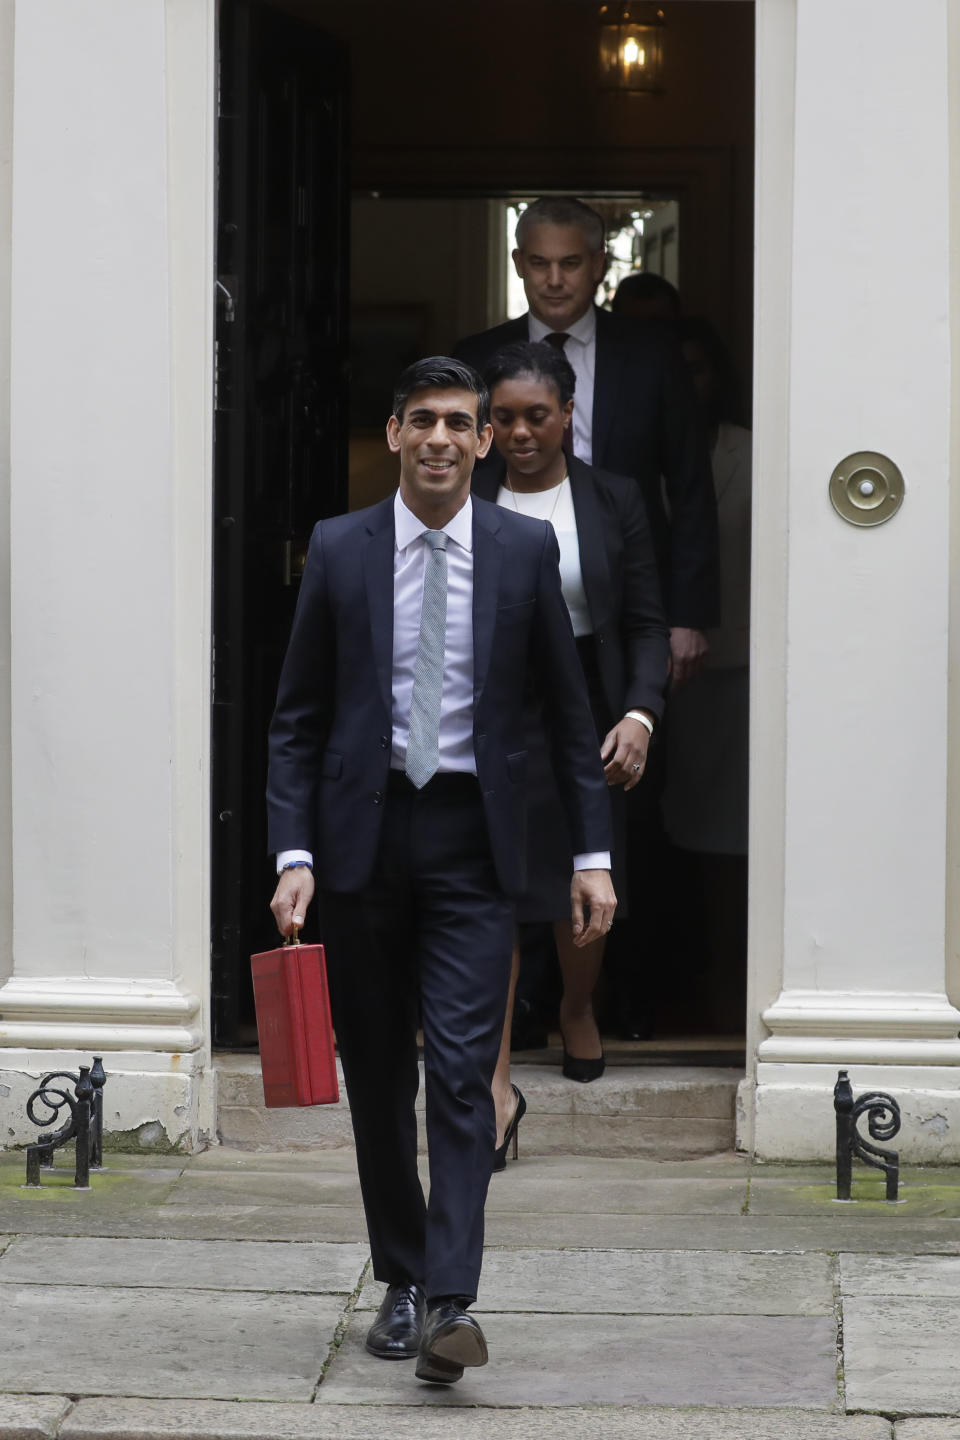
[(266, 1187), (15, 1161), (640, 1359), (724, 1165), (927, 1430), (814, 1173), (214, 1420), (536, 1186), (920, 1275), (540, 1193), (852, 1231), (787, 1197), (900, 1355), (224, 1157), (654, 1282), (339, 1223), (315, 1268), (31, 1417), (112, 1189), (238, 1345)]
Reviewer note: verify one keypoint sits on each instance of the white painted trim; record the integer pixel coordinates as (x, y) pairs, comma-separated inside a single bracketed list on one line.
[(151, 1098), (6, 258), (850, 1013), (69, 1012), (953, 702), (191, 110), (773, 202), (795, 1118)]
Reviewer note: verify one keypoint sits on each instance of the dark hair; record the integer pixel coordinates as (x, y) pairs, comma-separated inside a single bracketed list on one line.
[(726, 403), (564, 210), (646, 285), (441, 372), (538, 360)]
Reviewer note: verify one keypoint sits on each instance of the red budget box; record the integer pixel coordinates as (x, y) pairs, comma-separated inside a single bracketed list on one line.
[(293, 1022)]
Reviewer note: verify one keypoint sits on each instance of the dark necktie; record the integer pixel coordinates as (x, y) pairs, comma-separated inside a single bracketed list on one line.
[(558, 339)]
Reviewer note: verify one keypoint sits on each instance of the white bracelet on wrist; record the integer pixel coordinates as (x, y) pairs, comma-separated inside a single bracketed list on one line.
[(639, 715)]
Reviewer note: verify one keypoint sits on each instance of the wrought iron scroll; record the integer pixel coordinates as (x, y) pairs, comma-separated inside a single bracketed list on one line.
[(84, 1125), (883, 1122)]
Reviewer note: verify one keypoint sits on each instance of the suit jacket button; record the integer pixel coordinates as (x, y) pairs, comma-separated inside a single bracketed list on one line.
[(378, 797), (384, 742)]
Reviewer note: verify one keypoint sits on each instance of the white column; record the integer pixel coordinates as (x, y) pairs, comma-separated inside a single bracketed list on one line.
[(110, 499), (858, 690), (6, 213)]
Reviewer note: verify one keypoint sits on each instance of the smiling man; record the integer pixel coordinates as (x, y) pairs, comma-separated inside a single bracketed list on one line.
[(396, 777)]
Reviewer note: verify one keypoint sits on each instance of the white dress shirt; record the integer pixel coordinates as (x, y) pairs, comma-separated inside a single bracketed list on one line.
[(581, 351), (456, 703), (556, 505)]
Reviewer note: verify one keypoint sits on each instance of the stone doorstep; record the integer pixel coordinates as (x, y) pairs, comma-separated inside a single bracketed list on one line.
[(669, 1112)]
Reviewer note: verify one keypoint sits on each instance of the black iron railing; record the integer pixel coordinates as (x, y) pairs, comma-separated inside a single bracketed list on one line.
[(84, 1124)]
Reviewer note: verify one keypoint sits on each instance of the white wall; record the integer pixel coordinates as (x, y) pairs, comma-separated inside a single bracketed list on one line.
[(111, 346), (858, 686), (6, 208)]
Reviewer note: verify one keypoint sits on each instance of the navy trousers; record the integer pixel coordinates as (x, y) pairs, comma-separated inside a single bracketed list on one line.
[(429, 939)]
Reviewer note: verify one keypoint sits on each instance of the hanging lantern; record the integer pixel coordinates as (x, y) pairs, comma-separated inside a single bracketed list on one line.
[(631, 48)]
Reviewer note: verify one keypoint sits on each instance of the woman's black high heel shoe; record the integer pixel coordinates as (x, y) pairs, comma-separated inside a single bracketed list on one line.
[(583, 1070), (500, 1154)]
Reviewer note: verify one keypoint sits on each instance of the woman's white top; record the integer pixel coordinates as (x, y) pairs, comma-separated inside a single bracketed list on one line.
[(556, 505)]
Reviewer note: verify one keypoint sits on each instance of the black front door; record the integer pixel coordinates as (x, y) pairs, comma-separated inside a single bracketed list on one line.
[(281, 425)]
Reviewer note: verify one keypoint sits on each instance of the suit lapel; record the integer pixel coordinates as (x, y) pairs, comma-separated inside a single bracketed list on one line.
[(593, 552), (606, 384), (378, 575), (486, 584)]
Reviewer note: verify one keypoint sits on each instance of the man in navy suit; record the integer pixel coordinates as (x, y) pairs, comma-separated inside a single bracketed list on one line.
[(397, 758)]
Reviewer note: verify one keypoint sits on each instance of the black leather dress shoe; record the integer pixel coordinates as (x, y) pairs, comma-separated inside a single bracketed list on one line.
[(395, 1334), (451, 1341)]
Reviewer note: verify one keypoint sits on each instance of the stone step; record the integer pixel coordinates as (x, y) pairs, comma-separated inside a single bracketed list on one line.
[(655, 1112)]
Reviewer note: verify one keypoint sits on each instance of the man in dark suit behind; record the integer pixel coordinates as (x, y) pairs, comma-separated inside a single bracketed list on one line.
[(636, 415), (397, 771), (636, 412)]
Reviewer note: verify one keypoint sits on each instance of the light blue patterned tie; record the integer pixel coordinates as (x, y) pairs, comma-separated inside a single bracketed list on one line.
[(423, 744)]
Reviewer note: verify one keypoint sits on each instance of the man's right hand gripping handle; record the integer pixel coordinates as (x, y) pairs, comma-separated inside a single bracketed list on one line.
[(292, 896)]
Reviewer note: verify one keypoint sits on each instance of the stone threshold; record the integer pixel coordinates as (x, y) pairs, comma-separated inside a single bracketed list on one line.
[(653, 1111)]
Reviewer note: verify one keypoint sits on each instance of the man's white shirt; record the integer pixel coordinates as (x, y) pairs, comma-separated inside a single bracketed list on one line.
[(581, 351)]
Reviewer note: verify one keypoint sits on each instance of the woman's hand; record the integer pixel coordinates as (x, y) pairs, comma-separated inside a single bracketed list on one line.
[(624, 752)]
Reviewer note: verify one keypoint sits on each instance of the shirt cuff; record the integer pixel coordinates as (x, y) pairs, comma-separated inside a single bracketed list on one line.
[(284, 857), (644, 719), (592, 860)]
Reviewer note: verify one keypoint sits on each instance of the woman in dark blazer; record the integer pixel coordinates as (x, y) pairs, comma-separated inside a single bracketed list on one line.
[(609, 575)]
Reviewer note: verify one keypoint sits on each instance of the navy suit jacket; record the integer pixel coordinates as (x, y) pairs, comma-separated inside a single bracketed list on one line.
[(330, 738), (646, 425), (619, 572)]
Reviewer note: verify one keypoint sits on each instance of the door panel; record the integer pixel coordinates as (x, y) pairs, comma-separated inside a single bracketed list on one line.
[(280, 433)]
